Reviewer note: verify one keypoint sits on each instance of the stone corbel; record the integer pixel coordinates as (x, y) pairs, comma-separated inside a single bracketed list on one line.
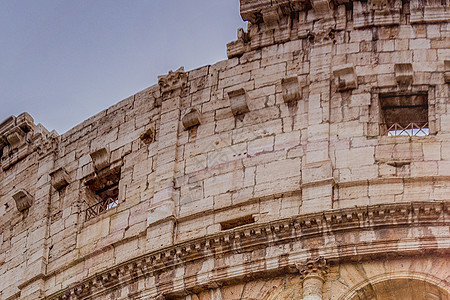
[(447, 71), (237, 48), (59, 178), (345, 77), (173, 81), (403, 73), (100, 159), (23, 200), (291, 90), (238, 102), (191, 119)]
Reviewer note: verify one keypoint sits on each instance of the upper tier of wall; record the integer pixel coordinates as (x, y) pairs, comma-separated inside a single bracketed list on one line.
[(293, 123)]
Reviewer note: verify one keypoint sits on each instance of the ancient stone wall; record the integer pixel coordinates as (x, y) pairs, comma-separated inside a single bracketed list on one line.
[(313, 163)]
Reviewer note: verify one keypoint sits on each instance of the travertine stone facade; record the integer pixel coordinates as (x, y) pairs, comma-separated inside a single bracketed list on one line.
[(313, 163)]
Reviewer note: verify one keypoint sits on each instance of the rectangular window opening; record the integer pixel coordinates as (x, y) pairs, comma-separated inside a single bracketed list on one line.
[(230, 224), (404, 115), (102, 192)]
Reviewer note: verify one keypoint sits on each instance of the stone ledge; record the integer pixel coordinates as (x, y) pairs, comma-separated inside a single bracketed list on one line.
[(281, 231)]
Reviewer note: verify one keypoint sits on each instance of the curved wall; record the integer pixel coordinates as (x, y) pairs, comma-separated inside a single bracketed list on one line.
[(270, 175)]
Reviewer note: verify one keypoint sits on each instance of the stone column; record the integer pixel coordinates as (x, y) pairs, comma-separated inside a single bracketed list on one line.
[(313, 272)]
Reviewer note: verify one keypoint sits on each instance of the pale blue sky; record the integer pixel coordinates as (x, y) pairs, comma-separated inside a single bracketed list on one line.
[(63, 61)]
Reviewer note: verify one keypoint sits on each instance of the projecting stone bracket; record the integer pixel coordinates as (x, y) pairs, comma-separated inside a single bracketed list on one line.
[(59, 178), (100, 159), (403, 74), (291, 89), (23, 200), (238, 102), (345, 77), (191, 119)]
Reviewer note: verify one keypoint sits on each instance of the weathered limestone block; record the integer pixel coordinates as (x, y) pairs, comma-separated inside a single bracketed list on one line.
[(59, 178), (23, 200), (403, 73), (100, 158), (238, 102), (429, 11), (191, 119), (345, 77), (322, 7), (291, 89)]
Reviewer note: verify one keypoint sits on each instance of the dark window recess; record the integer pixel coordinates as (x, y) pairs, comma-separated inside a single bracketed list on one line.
[(102, 192), (404, 115), (237, 222)]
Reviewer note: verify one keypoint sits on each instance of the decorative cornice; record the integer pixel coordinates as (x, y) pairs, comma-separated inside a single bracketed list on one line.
[(173, 81), (19, 137), (273, 22), (302, 226)]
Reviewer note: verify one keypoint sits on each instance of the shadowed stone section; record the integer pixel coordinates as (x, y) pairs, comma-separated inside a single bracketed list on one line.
[(60, 178), (238, 102), (23, 200), (403, 73)]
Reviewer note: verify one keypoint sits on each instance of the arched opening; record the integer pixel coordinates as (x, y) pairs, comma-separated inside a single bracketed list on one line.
[(400, 289)]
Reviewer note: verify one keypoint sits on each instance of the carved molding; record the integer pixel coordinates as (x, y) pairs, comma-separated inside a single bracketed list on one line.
[(23, 200), (191, 119), (19, 137), (304, 226), (429, 11), (238, 102), (173, 81)]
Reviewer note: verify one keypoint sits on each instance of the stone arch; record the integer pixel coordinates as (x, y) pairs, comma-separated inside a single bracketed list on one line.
[(399, 286)]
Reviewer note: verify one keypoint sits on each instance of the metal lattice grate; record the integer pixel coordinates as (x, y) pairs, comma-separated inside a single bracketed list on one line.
[(412, 129), (96, 209)]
